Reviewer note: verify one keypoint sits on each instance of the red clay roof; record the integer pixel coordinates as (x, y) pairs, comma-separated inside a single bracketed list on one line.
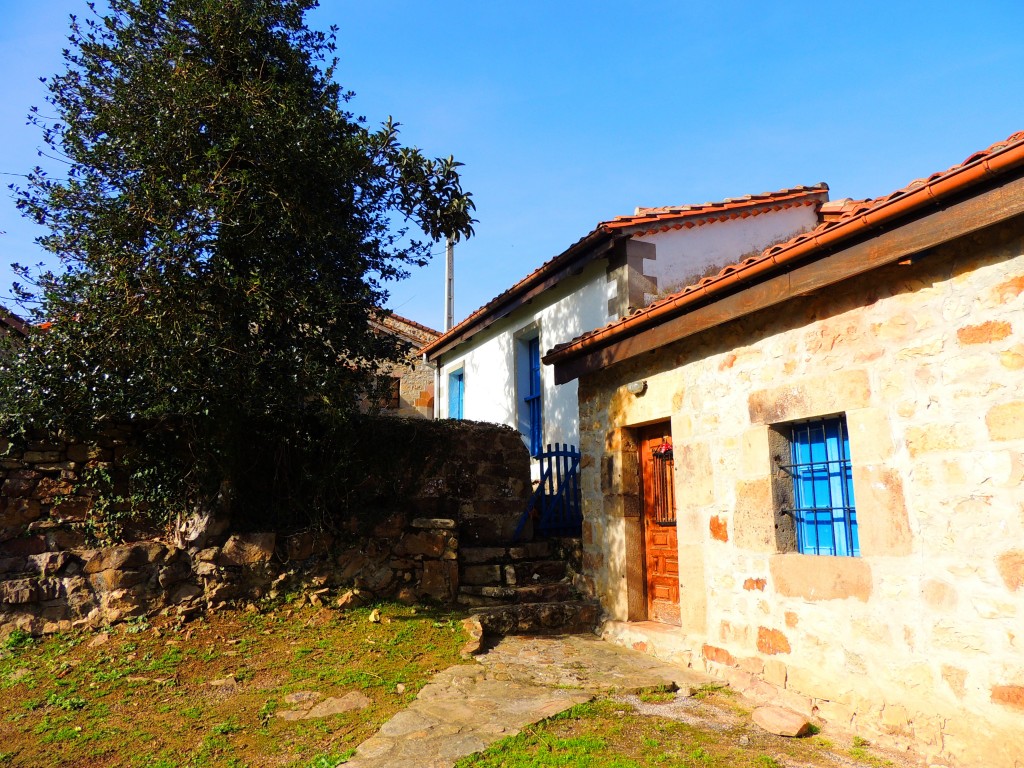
[(645, 221), (843, 219)]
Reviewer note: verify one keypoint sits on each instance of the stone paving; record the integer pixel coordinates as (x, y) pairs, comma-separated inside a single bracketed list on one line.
[(519, 681)]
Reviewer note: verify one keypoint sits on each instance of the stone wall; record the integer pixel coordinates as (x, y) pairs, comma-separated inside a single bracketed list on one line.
[(461, 481), (917, 643)]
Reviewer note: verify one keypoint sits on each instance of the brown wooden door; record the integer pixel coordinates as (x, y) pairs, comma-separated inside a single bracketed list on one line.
[(661, 546)]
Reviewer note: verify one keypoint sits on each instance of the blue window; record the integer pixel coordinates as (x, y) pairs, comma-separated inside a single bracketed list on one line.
[(456, 393), (532, 399), (823, 508)]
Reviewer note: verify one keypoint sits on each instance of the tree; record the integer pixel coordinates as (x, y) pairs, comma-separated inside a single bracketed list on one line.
[(226, 229)]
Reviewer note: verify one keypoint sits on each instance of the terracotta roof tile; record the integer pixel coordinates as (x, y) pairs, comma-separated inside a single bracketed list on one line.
[(644, 221), (841, 219)]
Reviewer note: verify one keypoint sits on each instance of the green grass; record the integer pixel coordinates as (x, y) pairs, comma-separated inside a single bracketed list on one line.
[(143, 697)]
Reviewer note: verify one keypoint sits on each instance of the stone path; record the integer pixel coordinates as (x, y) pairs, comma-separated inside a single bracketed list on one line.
[(519, 681)]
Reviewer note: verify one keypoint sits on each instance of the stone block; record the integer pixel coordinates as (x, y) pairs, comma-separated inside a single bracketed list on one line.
[(772, 641), (930, 438), (718, 655), (781, 722), (816, 578), (478, 575), (775, 672), (111, 580), (754, 516), (244, 549), (423, 543), (883, 525), (752, 584), (20, 592), (834, 393), (984, 333), (939, 595), (125, 557), (17, 512), (440, 580), (433, 523), (1011, 568), (694, 472), (1006, 421), (755, 458), (718, 527), (1009, 695), (48, 488), (870, 436)]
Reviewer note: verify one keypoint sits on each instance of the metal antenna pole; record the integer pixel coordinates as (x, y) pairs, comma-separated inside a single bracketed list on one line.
[(449, 284)]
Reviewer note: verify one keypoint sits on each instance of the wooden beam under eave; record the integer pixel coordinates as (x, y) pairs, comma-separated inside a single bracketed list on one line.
[(997, 204)]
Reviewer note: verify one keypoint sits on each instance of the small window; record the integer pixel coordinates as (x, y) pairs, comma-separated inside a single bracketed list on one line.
[(823, 509), (533, 396), (392, 400), (456, 393)]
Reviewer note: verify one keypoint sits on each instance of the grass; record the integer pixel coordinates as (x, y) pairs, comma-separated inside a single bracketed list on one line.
[(208, 694), (609, 733), (145, 698)]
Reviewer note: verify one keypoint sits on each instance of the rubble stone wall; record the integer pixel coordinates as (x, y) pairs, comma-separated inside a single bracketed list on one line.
[(919, 641), (51, 579)]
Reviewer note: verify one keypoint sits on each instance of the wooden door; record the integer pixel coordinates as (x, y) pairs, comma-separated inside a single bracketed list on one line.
[(661, 546)]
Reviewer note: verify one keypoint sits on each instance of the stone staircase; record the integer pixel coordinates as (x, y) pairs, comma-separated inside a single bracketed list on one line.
[(525, 588)]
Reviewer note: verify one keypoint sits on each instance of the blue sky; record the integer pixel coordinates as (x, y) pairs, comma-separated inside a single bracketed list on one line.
[(569, 113)]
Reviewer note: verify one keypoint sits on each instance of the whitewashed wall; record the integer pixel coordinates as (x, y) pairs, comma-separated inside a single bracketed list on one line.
[(686, 255), (493, 385)]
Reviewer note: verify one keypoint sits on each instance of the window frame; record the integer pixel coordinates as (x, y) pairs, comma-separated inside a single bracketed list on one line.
[(457, 393), (822, 502)]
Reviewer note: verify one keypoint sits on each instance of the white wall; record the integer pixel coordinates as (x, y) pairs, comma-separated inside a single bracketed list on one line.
[(687, 255), (493, 385)]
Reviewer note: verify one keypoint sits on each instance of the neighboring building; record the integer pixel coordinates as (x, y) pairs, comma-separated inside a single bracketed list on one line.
[(11, 323), (806, 473), (490, 362), (410, 387)]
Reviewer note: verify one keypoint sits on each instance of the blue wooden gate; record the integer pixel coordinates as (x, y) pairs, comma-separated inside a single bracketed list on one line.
[(555, 504)]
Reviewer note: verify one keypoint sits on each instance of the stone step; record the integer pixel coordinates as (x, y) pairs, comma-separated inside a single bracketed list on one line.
[(540, 618), (530, 550), (536, 571), (500, 595)]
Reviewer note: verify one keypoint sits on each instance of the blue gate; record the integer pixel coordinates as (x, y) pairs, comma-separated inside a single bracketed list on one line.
[(555, 503)]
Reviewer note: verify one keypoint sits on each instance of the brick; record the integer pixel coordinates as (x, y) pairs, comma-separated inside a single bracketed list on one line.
[(983, 333)]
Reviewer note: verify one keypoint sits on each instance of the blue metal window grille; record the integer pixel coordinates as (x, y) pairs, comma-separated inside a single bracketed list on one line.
[(824, 509), (456, 394), (533, 401)]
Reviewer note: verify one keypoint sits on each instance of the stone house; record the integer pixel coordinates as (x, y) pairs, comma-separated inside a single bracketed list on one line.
[(410, 385), (489, 364), (805, 473)]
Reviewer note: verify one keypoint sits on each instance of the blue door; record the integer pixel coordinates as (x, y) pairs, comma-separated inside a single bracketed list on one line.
[(456, 394)]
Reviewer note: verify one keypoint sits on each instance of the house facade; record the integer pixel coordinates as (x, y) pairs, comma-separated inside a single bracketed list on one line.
[(410, 390), (489, 364), (805, 473)]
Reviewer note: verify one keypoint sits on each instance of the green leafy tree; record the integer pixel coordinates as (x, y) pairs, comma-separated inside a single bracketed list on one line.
[(226, 228)]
